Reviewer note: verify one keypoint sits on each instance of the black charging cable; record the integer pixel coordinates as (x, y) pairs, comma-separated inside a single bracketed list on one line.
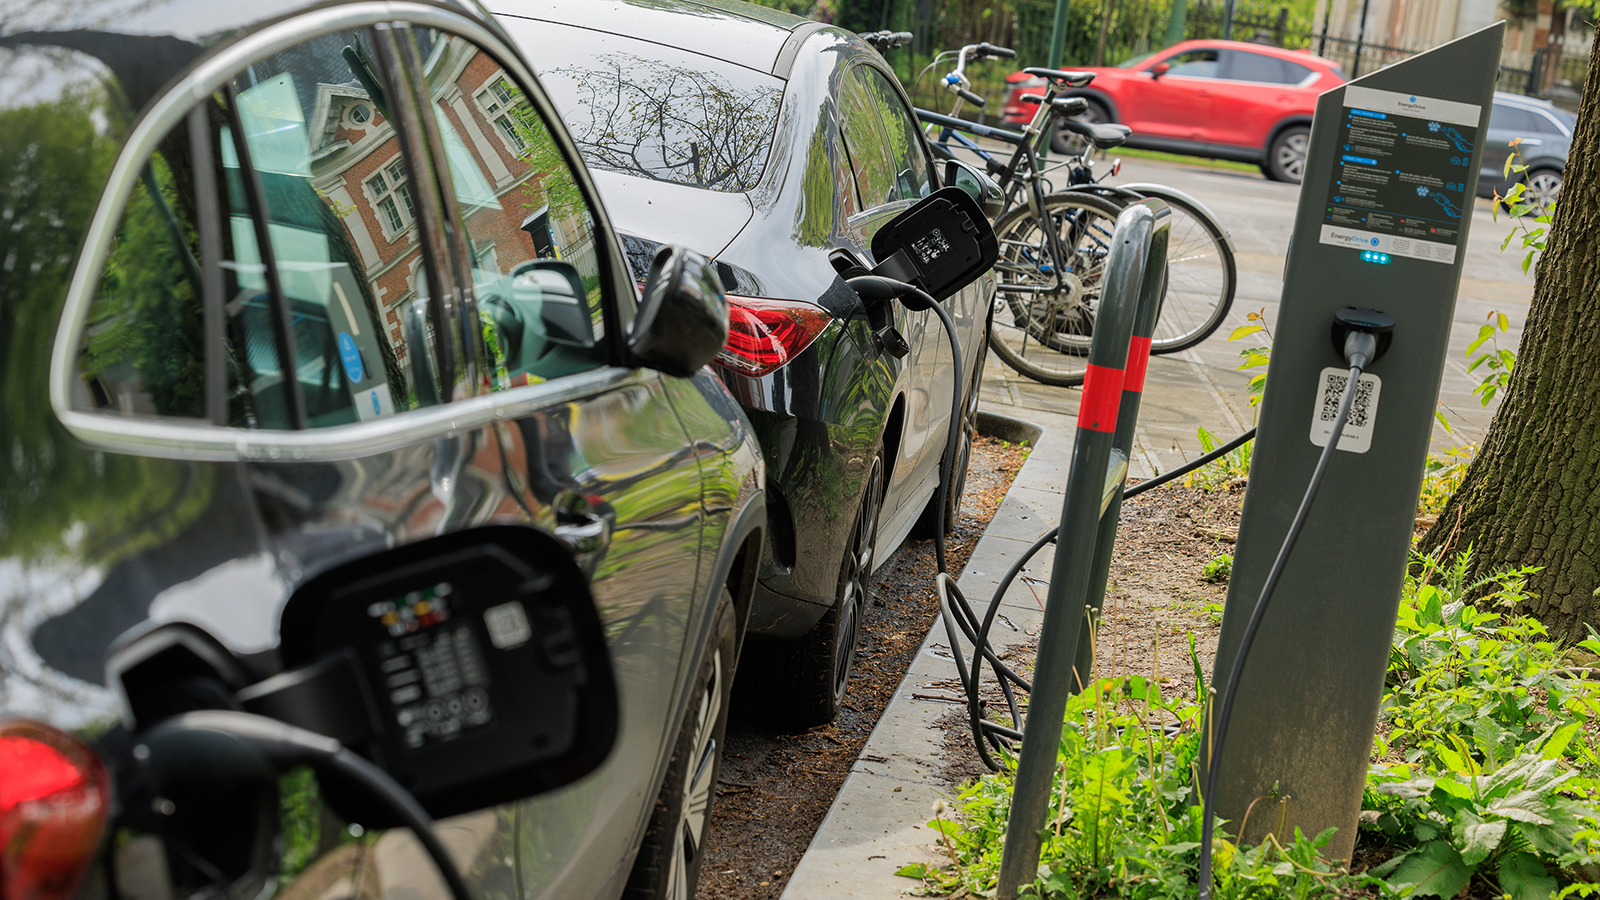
[(1360, 348), (223, 746), (958, 615)]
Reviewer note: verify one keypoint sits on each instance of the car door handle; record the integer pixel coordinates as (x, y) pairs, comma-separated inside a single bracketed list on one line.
[(584, 523)]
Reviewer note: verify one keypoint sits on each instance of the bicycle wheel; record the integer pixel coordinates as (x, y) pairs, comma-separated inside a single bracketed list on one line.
[(1201, 279), (1045, 334)]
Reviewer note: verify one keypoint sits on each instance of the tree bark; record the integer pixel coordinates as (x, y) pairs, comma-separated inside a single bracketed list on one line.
[(1532, 495)]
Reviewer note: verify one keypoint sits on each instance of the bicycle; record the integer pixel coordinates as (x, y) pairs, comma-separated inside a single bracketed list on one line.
[(1050, 276)]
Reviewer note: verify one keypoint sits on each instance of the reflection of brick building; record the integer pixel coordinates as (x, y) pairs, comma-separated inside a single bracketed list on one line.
[(356, 166)]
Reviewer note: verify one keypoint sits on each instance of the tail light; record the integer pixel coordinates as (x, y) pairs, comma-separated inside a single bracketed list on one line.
[(765, 334), (54, 800)]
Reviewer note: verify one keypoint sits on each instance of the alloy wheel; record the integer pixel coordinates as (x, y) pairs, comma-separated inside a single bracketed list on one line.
[(695, 808), (1292, 156), (1543, 187), (857, 578)]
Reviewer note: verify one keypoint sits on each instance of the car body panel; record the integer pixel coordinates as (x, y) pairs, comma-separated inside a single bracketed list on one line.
[(632, 202), (1540, 134), (99, 542), (1232, 115), (750, 37)]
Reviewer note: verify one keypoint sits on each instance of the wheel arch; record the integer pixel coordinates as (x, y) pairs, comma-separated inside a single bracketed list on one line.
[(893, 431), (1280, 127), (1101, 98)]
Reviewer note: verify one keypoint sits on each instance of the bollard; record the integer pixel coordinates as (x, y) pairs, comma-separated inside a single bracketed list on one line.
[(1055, 673), (1144, 325)]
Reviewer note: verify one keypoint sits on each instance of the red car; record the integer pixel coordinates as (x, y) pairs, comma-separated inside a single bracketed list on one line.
[(1222, 99)]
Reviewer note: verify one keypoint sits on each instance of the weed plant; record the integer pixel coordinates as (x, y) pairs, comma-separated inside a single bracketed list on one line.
[(1481, 786)]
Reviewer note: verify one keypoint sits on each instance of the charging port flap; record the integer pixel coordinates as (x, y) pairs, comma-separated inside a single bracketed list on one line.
[(472, 667)]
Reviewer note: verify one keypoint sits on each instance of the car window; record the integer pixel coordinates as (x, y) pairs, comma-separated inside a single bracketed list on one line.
[(1246, 66), (315, 244), (871, 154), (1201, 63), (1512, 118), (1544, 124), (652, 111), (529, 231), (910, 163)]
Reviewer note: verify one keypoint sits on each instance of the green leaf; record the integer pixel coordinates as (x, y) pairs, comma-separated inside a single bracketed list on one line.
[(1244, 331), (1435, 869), (915, 870), (1523, 806), (1443, 422), (1526, 262), (1476, 837), (1502, 321), (1557, 744), (1523, 877), (1485, 332)]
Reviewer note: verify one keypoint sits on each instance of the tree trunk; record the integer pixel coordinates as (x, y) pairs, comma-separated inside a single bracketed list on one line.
[(1532, 495)]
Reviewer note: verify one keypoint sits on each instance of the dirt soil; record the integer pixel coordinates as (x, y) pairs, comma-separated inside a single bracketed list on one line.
[(776, 788), (1156, 596)]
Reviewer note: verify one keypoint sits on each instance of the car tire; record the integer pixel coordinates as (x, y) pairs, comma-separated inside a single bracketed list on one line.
[(1541, 189), (807, 685), (1286, 156), (668, 864), (1065, 143)]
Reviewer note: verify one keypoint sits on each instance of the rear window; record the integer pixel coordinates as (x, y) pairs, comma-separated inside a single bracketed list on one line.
[(656, 112)]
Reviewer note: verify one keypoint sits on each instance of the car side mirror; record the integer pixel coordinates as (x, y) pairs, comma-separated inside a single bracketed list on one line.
[(1159, 69), (562, 302), (977, 185), (943, 244), (682, 321)]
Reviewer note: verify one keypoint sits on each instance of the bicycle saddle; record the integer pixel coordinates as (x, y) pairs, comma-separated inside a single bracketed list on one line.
[(1103, 137), (1071, 79)]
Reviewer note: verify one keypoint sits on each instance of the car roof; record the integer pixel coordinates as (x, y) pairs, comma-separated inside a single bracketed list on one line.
[(741, 33), (1297, 56), (1522, 100)]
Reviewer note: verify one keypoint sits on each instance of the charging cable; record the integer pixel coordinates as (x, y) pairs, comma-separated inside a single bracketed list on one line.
[(221, 746), (1361, 347)]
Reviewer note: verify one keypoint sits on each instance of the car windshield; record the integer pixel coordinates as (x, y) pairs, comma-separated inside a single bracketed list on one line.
[(657, 112)]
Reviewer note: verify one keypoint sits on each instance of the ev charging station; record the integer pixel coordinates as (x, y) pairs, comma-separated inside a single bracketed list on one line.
[(1390, 180)]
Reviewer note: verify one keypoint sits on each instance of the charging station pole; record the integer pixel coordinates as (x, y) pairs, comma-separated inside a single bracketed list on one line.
[(1390, 181)]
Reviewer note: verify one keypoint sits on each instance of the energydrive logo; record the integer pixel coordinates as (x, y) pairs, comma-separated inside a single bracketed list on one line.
[(1349, 237)]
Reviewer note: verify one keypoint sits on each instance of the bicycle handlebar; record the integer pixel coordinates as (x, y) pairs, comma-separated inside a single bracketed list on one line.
[(975, 99), (988, 49)]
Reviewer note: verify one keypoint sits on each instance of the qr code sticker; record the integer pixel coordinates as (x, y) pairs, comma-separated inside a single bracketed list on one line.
[(1358, 429), (1333, 393)]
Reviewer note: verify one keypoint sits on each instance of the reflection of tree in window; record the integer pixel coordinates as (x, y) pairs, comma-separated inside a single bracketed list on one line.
[(143, 351), (656, 121)]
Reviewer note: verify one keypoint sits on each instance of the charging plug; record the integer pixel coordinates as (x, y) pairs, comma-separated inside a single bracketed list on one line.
[(1362, 335)]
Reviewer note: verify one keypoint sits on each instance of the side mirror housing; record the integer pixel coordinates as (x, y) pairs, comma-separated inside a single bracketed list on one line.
[(977, 185), (682, 321), (943, 244), (1159, 69)]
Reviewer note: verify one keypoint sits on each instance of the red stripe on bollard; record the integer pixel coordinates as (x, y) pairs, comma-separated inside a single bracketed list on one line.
[(1138, 361), (1102, 395)]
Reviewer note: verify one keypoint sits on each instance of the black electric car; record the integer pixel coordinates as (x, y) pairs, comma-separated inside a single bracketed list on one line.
[(769, 142), (292, 290)]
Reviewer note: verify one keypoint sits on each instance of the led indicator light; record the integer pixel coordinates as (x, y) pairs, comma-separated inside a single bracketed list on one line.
[(1373, 256)]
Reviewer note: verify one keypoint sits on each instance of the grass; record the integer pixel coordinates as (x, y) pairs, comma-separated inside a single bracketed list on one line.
[(1205, 162)]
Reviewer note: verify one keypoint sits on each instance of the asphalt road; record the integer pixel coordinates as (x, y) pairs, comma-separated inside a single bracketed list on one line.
[(1201, 388)]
